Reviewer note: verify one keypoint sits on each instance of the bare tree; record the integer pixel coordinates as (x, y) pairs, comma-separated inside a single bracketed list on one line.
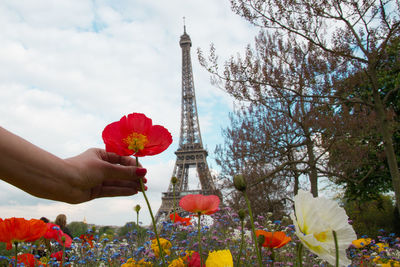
[(289, 80), (248, 150)]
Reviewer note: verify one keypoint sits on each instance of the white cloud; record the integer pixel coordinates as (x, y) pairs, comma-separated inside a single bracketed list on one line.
[(70, 67)]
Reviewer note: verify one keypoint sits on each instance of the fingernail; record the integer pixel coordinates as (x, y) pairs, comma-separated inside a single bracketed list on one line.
[(141, 171), (144, 180)]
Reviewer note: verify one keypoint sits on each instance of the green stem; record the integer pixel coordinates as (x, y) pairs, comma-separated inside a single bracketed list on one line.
[(16, 253), (152, 218), (272, 256), (241, 244), (199, 236), (139, 233), (173, 202), (63, 254), (300, 254), (336, 248), (253, 229), (153, 222)]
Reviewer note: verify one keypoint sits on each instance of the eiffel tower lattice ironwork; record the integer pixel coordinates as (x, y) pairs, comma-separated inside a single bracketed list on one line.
[(190, 153)]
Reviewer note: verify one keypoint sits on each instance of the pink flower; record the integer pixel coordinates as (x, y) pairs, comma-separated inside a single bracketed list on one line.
[(200, 204)]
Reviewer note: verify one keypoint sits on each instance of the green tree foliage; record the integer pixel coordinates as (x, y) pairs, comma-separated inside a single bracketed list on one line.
[(369, 217), (129, 227), (358, 154), (77, 228), (108, 230)]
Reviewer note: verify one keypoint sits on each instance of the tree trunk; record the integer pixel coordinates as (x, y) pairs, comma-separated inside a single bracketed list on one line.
[(313, 174), (387, 138), (295, 173)]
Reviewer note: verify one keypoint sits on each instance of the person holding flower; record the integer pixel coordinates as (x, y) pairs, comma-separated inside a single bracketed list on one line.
[(93, 174)]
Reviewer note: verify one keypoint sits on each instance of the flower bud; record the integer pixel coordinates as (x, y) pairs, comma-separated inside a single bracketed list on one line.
[(239, 183), (242, 214), (137, 208), (174, 180)]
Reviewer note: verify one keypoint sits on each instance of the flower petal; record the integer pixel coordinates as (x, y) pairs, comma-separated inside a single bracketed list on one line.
[(315, 219), (159, 140), (135, 135), (20, 229), (200, 203)]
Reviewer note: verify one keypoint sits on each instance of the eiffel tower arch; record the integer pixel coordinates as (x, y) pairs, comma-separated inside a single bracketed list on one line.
[(190, 153)]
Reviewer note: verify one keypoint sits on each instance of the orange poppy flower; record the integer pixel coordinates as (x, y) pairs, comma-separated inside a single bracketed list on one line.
[(184, 221), (87, 238), (273, 239), (28, 260), (200, 203), (136, 135), (18, 229)]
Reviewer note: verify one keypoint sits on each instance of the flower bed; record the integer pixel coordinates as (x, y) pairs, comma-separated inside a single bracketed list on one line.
[(180, 245)]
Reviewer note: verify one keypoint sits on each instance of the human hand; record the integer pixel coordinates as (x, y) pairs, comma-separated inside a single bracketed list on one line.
[(101, 174), (92, 174)]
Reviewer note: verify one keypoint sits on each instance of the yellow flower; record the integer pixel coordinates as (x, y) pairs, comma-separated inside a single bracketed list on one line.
[(165, 245), (386, 263), (390, 263), (219, 258), (44, 260), (177, 263), (361, 242), (380, 247), (315, 220), (132, 263)]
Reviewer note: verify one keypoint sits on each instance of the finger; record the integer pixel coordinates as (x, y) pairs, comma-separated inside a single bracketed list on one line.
[(117, 159), (122, 183), (140, 172), (120, 172), (119, 183), (112, 191)]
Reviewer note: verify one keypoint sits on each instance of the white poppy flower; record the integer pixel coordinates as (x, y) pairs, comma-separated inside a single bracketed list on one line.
[(315, 219)]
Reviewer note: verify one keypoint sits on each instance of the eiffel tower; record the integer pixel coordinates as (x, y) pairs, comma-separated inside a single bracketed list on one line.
[(190, 153)]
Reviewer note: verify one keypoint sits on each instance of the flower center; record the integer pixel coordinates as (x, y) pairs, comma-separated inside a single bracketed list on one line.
[(136, 141), (321, 237)]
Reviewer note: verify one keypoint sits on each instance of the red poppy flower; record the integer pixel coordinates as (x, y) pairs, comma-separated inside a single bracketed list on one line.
[(273, 239), (136, 135), (184, 221), (57, 255), (54, 232), (200, 203), (194, 260), (28, 260), (18, 229)]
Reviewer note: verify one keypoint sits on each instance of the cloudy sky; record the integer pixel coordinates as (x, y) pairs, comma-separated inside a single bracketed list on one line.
[(70, 67)]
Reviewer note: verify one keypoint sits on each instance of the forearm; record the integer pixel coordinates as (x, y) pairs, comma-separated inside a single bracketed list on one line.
[(29, 167)]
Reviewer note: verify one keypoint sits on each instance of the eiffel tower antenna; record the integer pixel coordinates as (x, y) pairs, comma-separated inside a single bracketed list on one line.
[(190, 153)]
